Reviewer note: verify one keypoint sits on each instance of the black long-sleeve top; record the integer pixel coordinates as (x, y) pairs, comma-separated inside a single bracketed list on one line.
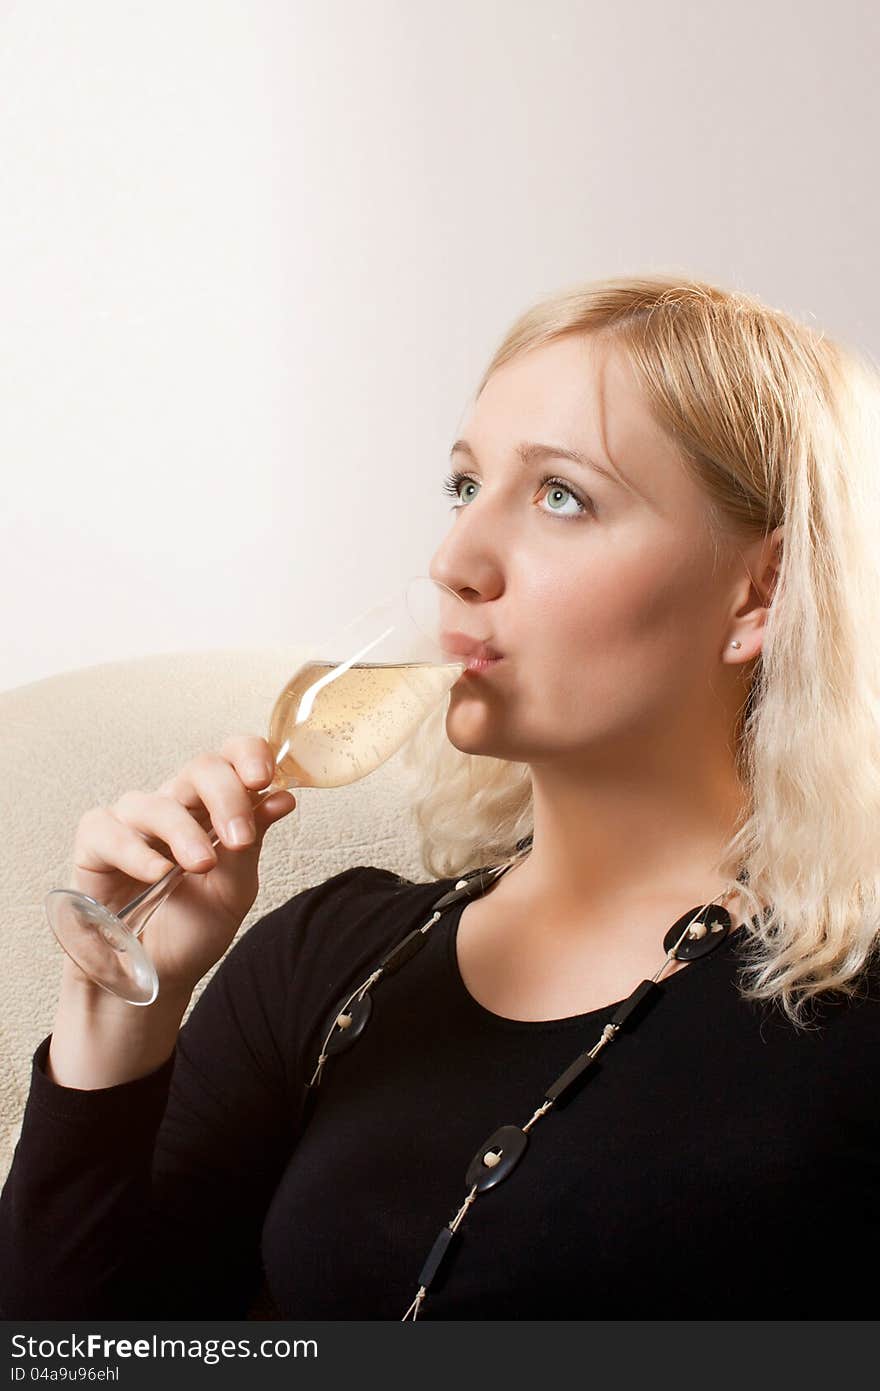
[(718, 1164)]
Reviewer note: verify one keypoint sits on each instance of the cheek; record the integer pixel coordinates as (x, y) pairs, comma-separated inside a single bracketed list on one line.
[(608, 606), (610, 632), (596, 643)]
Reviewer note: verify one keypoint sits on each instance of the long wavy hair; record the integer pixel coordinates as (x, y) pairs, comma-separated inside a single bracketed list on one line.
[(780, 426)]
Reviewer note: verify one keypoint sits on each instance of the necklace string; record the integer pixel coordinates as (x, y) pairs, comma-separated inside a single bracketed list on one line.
[(691, 936)]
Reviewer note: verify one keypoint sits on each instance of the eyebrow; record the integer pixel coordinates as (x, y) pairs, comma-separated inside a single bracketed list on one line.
[(529, 453)]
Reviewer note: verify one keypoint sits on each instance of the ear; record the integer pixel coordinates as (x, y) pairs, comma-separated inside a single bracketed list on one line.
[(761, 562)]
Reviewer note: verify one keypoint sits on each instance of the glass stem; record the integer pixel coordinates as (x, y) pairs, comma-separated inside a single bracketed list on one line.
[(138, 912)]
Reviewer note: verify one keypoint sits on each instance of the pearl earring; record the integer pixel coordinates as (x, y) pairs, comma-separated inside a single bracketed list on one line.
[(735, 643)]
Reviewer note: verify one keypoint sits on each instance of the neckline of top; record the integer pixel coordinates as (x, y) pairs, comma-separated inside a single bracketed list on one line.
[(570, 1021)]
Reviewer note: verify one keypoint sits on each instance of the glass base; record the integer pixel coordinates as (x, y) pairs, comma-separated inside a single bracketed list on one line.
[(102, 946)]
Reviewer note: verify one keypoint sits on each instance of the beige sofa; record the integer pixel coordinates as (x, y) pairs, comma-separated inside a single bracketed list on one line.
[(82, 738)]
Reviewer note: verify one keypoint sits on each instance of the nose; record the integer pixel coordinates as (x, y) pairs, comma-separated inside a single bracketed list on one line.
[(453, 614), (466, 569)]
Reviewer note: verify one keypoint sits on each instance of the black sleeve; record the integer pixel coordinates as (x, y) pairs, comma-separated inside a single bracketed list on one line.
[(147, 1199)]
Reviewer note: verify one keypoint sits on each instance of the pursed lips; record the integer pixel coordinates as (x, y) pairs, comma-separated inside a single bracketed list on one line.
[(471, 648)]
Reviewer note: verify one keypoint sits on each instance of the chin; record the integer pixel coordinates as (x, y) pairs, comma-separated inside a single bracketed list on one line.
[(465, 728), (476, 733)]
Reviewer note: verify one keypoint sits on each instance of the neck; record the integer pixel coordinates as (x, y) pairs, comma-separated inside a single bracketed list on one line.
[(644, 839)]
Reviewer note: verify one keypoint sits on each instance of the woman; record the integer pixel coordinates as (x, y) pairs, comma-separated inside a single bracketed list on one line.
[(666, 498)]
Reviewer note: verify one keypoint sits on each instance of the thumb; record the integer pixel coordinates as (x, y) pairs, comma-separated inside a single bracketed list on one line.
[(280, 804)]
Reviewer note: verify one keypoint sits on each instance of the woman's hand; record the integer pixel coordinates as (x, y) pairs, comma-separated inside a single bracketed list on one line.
[(120, 849)]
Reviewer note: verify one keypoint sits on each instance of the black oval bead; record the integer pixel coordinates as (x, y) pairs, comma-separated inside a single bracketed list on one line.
[(450, 897), (716, 921), (511, 1141), (480, 881), (474, 883), (360, 1011)]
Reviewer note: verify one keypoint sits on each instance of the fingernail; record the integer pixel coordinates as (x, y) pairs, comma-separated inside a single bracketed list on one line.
[(240, 830), (256, 770)]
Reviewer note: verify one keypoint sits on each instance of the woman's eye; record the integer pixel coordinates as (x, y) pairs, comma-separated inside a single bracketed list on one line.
[(558, 490)]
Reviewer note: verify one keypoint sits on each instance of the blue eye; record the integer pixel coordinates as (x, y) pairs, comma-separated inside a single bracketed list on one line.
[(452, 485)]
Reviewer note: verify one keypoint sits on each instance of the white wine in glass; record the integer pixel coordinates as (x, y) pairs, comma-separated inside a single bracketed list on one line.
[(336, 720), (332, 727)]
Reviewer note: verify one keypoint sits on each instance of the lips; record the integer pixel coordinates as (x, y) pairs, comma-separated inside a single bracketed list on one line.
[(476, 665), (462, 645)]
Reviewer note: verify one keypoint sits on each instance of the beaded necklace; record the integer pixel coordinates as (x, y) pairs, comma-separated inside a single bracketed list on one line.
[(695, 934)]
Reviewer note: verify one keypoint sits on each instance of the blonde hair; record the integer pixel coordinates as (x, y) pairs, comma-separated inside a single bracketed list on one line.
[(780, 426)]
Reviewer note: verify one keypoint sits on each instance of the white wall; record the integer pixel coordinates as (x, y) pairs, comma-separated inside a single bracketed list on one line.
[(254, 256)]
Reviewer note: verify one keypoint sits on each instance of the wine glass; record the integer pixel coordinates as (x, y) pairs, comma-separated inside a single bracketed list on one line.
[(340, 715)]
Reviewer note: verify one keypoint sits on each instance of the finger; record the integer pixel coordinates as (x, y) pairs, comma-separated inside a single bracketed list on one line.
[(228, 801), (170, 823), (104, 844), (249, 754), (273, 809), (252, 758), (186, 794)]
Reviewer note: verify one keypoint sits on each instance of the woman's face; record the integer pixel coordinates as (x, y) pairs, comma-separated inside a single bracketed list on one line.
[(608, 614)]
